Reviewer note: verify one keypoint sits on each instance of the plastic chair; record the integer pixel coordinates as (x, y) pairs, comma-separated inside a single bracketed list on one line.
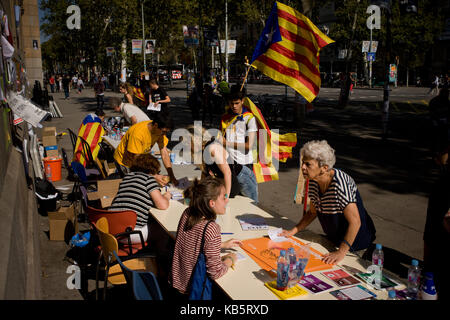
[(121, 225), (144, 284), (73, 138), (71, 174), (113, 272), (87, 154)]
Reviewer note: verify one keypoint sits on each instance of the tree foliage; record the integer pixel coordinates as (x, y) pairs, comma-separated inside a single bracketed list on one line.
[(108, 23)]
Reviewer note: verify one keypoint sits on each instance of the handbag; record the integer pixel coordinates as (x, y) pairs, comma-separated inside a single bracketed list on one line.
[(200, 284)]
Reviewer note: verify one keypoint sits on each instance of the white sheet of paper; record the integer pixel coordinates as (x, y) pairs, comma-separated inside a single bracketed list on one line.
[(273, 235), (240, 256), (151, 106)]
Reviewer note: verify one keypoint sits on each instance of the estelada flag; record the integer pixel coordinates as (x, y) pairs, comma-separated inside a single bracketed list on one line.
[(288, 50), (270, 144), (92, 132)]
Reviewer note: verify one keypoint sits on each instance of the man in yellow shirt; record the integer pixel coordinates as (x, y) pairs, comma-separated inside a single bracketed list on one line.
[(141, 138)]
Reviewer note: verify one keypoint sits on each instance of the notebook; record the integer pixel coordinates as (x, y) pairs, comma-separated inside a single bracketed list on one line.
[(340, 277), (354, 293), (384, 283), (314, 284), (253, 223)]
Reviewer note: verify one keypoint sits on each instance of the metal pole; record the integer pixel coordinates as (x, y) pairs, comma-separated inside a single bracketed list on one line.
[(385, 114), (143, 36), (226, 40), (370, 62)]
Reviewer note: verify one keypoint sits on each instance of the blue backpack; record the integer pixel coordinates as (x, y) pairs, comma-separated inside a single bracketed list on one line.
[(200, 284)]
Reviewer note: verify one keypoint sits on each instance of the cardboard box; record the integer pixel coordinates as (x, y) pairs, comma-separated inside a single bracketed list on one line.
[(63, 223), (106, 191), (49, 136), (49, 141), (110, 168), (51, 151)]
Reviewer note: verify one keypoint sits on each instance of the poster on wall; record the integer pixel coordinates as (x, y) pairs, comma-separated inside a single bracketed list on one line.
[(150, 46), (191, 35), (136, 46), (110, 51)]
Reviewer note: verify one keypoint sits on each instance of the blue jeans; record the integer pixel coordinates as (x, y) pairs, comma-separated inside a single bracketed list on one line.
[(66, 92), (247, 181)]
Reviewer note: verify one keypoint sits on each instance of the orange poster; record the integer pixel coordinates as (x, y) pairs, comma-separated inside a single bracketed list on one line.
[(265, 253)]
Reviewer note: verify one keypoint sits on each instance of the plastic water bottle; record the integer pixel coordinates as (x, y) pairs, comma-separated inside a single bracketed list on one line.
[(428, 291), (378, 256), (392, 295), (292, 259), (413, 279), (48, 172), (282, 271)]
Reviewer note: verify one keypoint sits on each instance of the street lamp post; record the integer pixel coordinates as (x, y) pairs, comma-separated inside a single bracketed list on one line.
[(226, 40), (385, 115), (143, 35)]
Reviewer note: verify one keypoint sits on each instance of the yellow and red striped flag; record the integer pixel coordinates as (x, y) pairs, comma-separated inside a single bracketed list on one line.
[(288, 50), (270, 144), (92, 132)]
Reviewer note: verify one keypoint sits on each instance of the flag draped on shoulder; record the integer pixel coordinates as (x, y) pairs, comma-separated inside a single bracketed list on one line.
[(270, 144), (288, 50)]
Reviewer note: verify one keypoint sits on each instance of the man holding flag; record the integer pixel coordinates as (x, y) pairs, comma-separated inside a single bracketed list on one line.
[(239, 129)]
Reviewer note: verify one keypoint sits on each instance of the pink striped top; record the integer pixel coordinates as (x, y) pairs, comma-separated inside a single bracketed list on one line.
[(187, 249)]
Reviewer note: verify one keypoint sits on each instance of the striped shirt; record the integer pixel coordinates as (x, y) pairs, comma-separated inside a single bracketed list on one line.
[(134, 194), (187, 249), (339, 194)]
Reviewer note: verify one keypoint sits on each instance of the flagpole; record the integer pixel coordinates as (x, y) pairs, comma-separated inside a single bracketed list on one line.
[(246, 74)]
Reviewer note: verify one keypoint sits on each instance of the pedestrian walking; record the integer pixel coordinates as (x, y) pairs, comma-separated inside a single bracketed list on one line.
[(80, 85), (434, 86), (99, 90), (59, 83), (52, 83), (66, 86)]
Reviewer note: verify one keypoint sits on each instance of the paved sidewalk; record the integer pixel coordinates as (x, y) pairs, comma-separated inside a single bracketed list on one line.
[(394, 177)]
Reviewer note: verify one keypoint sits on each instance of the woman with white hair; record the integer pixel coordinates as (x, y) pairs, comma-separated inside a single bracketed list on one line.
[(335, 200)]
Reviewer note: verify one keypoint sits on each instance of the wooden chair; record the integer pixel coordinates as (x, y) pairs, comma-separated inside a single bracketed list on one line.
[(113, 271)]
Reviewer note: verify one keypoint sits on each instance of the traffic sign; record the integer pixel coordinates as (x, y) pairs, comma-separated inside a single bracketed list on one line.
[(370, 56)]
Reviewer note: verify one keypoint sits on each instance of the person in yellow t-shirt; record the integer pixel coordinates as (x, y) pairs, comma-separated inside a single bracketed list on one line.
[(141, 138)]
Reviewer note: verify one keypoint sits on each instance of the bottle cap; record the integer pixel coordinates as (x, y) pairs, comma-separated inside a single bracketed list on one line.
[(391, 294), (378, 246), (415, 263)]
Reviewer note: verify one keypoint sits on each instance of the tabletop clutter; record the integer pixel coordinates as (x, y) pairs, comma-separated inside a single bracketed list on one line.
[(294, 267)]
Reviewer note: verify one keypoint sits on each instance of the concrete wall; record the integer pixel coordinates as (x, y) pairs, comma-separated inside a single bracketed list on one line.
[(19, 243), (30, 31), (20, 266)]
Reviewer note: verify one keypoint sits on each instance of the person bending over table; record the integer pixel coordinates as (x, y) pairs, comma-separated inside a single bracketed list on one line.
[(139, 192), (141, 138), (207, 200), (133, 114), (215, 160), (335, 200)]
